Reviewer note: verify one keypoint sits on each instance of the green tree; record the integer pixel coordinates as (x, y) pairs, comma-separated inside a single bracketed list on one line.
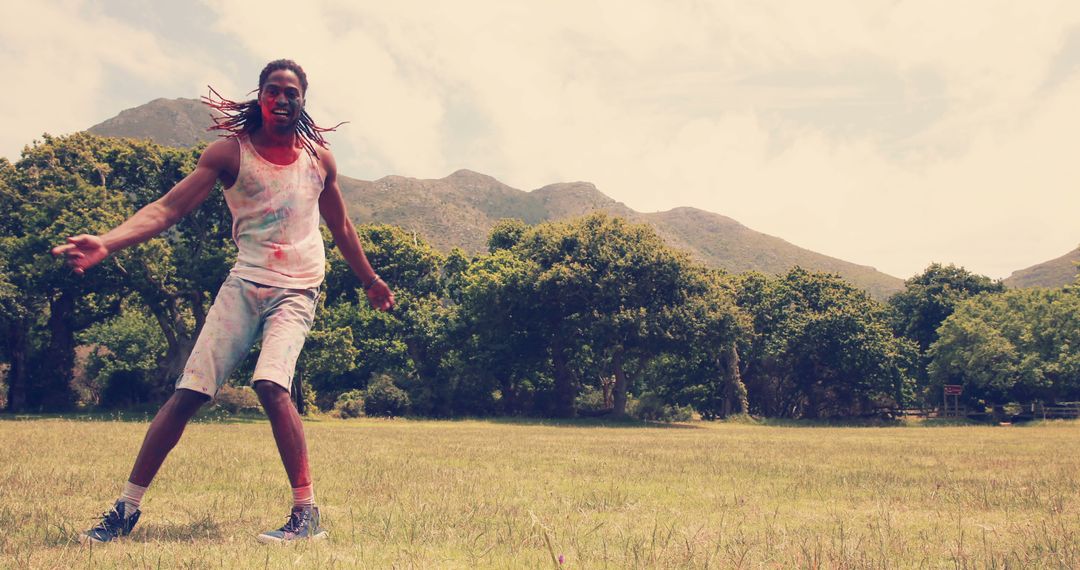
[(408, 341), (177, 274), (1016, 346), (506, 234), (499, 349), (603, 292), (81, 183), (931, 296), (329, 358), (375, 337), (927, 300), (15, 309), (130, 342), (53, 191), (820, 348), (701, 366)]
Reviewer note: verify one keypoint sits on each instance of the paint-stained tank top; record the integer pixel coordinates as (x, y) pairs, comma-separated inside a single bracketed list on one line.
[(275, 212)]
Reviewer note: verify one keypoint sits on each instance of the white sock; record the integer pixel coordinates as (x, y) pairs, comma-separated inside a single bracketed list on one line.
[(132, 496), (303, 496)]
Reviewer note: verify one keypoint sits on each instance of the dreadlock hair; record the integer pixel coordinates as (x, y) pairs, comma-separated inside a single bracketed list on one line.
[(246, 117)]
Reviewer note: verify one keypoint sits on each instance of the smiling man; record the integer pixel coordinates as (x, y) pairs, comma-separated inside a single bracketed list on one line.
[(279, 177)]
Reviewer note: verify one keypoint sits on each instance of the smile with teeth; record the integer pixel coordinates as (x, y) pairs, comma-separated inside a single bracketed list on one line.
[(281, 112)]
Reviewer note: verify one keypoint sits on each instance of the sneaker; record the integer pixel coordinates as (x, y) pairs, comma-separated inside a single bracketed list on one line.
[(303, 523), (114, 524)]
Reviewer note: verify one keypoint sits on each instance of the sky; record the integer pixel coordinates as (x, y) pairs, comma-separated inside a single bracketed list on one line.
[(887, 133)]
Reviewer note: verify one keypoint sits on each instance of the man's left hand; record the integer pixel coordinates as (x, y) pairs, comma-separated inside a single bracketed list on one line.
[(380, 296)]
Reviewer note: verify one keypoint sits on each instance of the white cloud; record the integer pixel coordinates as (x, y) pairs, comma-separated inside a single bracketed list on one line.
[(887, 133), (58, 57)]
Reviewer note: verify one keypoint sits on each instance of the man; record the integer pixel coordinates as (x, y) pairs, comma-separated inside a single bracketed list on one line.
[(279, 177)]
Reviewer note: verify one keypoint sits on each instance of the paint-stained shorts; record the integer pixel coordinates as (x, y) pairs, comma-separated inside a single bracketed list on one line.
[(244, 311)]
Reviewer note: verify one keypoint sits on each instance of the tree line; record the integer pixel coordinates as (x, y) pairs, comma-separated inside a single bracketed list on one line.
[(589, 316)]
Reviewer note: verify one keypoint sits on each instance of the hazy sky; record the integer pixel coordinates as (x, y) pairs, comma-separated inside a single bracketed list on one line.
[(888, 133)]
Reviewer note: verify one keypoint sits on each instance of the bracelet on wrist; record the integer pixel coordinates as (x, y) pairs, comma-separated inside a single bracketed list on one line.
[(371, 283)]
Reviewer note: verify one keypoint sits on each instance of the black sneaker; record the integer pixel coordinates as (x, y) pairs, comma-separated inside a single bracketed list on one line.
[(303, 523), (114, 524)]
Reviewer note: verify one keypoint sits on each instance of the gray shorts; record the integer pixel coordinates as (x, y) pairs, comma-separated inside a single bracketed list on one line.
[(242, 312)]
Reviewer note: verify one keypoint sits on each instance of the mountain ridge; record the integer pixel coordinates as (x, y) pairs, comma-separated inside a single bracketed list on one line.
[(1053, 273), (425, 206), (168, 122)]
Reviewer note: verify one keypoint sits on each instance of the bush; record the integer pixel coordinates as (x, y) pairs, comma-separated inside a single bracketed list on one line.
[(129, 344), (311, 399), (236, 399), (126, 388), (651, 407), (590, 401), (349, 404), (383, 398)]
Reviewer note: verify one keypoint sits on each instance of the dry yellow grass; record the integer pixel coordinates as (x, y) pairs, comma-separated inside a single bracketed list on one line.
[(478, 494)]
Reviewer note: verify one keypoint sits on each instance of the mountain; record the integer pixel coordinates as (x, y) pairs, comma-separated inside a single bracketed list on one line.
[(169, 122), (460, 209), (723, 242), (1054, 273)]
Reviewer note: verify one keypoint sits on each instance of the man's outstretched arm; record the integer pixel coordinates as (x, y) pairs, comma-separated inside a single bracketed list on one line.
[(85, 251), (332, 208)]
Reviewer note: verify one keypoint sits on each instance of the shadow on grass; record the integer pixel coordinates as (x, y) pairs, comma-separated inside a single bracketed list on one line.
[(211, 415), (601, 422), (950, 422), (827, 423), (876, 422), (202, 529), (219, 416), (214, 417), (1048, 423)]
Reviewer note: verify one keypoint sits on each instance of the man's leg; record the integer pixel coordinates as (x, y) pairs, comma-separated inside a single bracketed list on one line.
[(303, 521), (164, 433), (161, 438), (288, 431), (226, 337), (285, 326)]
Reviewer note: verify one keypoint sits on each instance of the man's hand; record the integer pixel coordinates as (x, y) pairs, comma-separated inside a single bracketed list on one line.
[(83, 251), (380, 296)]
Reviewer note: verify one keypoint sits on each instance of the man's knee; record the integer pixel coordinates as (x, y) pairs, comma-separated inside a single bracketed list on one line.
[(271, 393), (189, 400)]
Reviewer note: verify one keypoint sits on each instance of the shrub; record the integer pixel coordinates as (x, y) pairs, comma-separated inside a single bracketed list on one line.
[(383, 398), (311, 399), (236, 399), (590, 402), (681, 414), (349, 404), (651, 407)]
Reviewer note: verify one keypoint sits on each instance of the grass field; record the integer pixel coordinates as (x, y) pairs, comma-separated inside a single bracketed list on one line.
[(476, 494)]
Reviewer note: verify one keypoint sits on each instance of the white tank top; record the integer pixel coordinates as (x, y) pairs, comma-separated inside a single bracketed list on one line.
[(275, 212)]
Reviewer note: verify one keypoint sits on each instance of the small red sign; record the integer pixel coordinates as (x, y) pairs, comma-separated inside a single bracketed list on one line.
[(954, 389)]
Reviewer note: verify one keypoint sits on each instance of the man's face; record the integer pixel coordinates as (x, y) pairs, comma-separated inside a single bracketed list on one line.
[(281, 100)]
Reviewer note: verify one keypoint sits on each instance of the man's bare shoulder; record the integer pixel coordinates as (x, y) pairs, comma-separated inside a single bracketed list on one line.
[(223, 158), (221, 154), (327, 161)]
